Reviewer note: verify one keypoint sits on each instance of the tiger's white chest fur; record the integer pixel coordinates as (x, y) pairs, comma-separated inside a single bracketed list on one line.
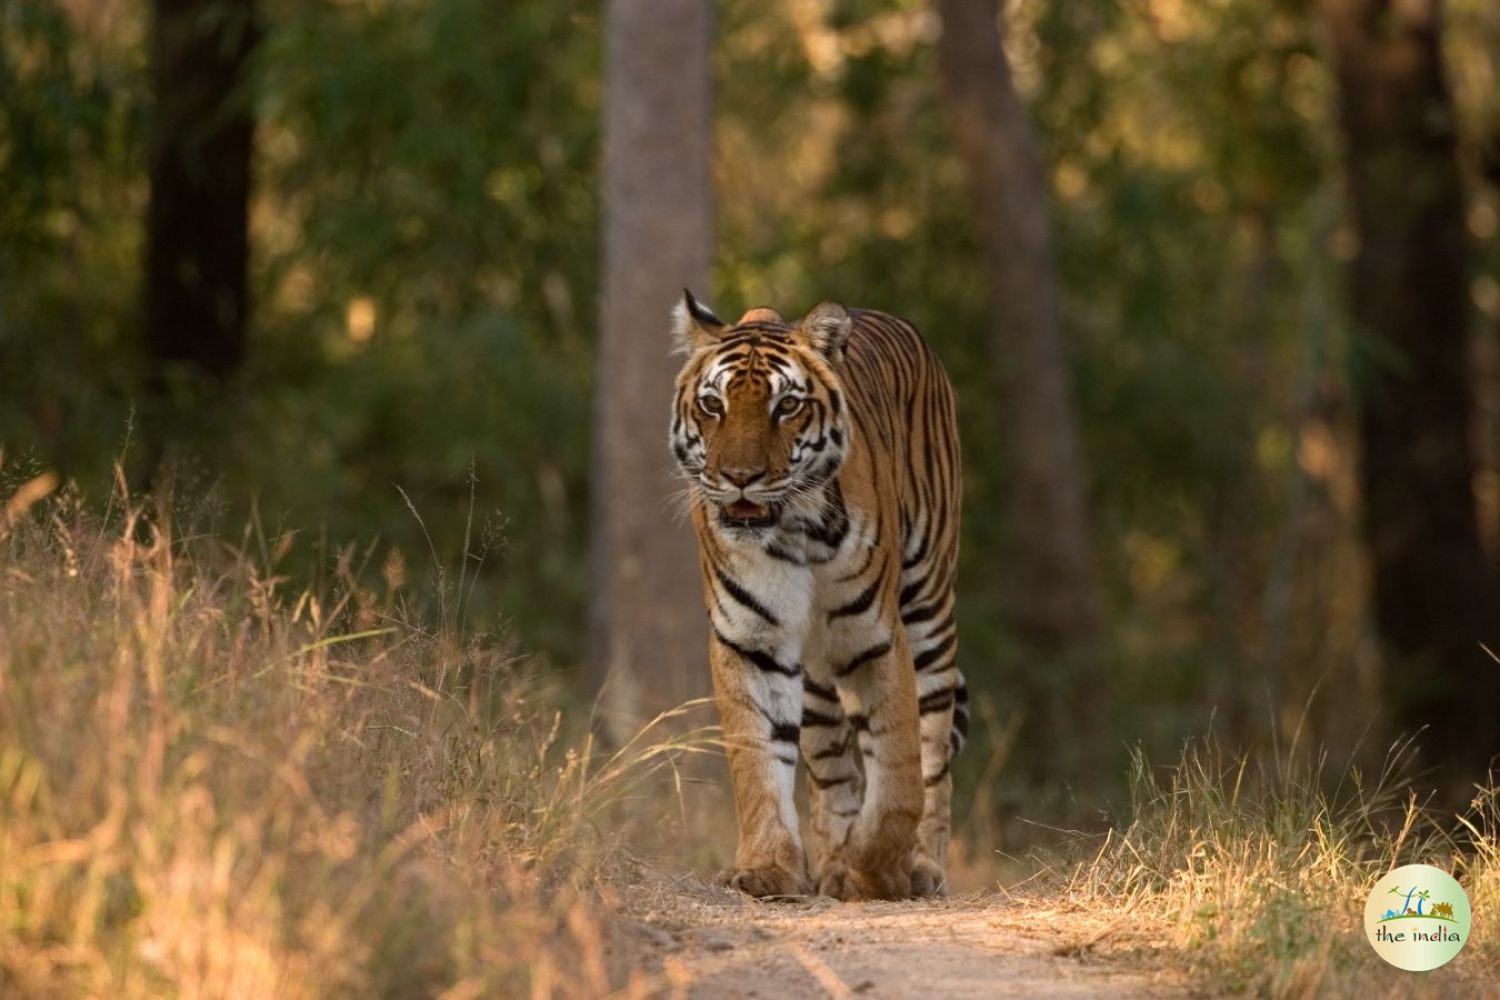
[(801, 591)]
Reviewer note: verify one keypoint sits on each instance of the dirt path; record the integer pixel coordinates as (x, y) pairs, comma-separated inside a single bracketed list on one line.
[(696, 940)]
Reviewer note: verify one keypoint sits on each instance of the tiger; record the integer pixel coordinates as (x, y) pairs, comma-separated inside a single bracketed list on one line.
[(824, 483)]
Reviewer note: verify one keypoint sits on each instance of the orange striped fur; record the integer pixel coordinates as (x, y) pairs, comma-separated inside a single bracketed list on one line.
[(823, 463)]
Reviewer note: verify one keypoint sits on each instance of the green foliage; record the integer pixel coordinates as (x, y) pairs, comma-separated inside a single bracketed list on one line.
[(71, 197), (424, 234), (427, 272)]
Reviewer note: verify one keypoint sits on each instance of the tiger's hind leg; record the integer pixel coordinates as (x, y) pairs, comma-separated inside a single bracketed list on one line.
[(943, 708), (833, 778)]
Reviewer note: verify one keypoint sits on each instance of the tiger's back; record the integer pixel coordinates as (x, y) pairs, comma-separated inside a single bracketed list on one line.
[(827, 485)]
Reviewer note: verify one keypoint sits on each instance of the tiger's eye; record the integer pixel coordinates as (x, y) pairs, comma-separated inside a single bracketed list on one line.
[(712, 405), (788, 406)]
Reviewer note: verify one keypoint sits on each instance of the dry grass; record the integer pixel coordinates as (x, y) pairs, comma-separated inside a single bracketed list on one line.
[(1257, 879), (214, 785)]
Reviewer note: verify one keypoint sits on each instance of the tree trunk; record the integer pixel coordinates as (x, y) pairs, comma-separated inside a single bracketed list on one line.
[(1056, 610), (1434, 591), (648, 641), (197, 244)]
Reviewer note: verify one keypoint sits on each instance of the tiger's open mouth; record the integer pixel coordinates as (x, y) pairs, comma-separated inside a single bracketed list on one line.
[(747, 514)]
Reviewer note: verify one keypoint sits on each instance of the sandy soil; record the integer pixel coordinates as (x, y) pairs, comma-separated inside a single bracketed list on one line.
[(689, 939)]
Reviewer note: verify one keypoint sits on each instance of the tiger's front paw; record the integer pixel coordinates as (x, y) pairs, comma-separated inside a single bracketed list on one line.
[(768, 882), (842, 882), (837, 880), (927, 877), (884, 883)]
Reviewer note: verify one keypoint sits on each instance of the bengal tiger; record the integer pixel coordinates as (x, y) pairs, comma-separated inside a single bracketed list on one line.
[(822, 459)]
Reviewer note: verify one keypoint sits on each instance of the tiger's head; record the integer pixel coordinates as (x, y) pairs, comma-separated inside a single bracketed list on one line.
[(760, 418)]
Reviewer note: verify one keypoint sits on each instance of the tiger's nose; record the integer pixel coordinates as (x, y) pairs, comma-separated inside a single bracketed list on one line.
[(742, 477)]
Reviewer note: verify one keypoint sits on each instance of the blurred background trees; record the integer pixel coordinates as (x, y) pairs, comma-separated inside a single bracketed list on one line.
[(1284, 371), (197, 224), (647, 629), (194, 284), (1434, 585), (1051, 586)]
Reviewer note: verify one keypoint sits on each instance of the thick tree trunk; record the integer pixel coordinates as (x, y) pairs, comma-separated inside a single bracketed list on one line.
[(648, 639), (1434, 592), (197, 244), (1055, 597)]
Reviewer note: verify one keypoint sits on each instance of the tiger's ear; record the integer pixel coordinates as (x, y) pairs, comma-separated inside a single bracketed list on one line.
[(694, 325), (827, 328)]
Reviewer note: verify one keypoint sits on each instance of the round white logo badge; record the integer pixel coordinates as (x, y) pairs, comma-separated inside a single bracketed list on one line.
[(1417, 918)]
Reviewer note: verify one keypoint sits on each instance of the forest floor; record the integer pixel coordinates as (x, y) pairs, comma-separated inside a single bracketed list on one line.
[(696, 940)]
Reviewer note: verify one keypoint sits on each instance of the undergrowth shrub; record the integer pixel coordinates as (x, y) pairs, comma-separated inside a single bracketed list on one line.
[(1257, 875), (216, 783)]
